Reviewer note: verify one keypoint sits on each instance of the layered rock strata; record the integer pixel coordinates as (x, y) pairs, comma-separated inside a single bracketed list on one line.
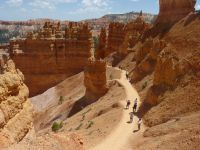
[(95, 79), (146, 58), (121, 37), (116, 35), (49, 56), (101, 48), (167, 71), (172, 11)]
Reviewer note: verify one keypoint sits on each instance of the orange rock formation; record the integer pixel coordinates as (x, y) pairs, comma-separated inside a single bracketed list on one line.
[(146, 58), (95, 79), (121, 36), (101, 49), (15, 108), (172, 11), (116, 35), (49, 56)]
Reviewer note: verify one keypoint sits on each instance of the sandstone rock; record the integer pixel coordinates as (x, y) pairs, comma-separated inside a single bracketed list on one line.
[(135, 29), (102, 44), (121, 37), (146, 57), (95, 79), (52, 141), (15, 108), (167, 69), (172, 11), (65, 54), (116, 34)]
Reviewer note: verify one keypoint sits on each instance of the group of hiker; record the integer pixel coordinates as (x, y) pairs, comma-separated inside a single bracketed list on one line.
[(135, 105)]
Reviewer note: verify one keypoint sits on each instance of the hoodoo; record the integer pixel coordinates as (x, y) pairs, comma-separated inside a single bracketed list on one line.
[(172, 11), (95, 79)]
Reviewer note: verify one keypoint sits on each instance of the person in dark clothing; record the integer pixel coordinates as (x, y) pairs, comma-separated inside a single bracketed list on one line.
[(135, 105), (127, 75), (128, 104)]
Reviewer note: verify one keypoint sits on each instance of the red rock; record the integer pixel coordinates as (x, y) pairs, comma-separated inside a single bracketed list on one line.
[(172, 11), (95, 79), (50, 56)]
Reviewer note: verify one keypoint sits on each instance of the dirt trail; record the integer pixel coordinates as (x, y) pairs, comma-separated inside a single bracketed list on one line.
[(120, 138)]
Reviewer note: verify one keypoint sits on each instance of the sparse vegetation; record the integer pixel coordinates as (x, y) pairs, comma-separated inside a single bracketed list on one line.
[(90, 124), (83, 114), (57, 126), (61, 100), (80, 125), (87, 111), (111, 77), (144, 85), (70, 129)]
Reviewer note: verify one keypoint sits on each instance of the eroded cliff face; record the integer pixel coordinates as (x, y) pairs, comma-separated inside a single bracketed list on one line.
[(121, 37), (15, 108), (146, 58), (50, 56), (172, 11), (95, 79)]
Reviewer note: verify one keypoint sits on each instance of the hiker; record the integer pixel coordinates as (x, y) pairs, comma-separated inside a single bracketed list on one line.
[(135, 105), (127, 75), (131, 117), (139, 123), (128, 104)]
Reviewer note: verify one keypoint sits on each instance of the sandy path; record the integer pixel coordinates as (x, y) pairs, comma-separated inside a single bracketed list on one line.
[(119, 139)]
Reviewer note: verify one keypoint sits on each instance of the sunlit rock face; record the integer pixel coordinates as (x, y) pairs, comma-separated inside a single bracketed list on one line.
[(48, 57), (172, 11), (95, 79), (15, 108)]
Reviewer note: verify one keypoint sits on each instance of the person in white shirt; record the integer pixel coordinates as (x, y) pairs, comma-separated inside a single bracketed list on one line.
[(139, 123)]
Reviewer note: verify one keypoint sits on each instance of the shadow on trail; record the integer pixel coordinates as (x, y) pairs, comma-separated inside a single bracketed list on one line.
[(135, 131), (143, 109)]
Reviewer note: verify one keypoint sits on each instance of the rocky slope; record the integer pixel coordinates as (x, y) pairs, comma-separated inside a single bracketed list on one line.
[(18, 117)]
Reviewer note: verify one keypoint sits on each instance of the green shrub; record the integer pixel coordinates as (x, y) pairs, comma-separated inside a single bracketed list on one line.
[(57, 126), (78, 128), (61, 100), (144, 85), (90, 124), (86, 112)]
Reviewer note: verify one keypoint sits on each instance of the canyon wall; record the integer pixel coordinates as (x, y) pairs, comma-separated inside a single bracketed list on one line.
[(122, 37), (116, 34), (50, 56), (15, 108), (95, 79)]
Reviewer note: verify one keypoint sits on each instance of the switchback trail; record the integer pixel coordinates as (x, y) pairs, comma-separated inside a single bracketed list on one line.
[(119, 139)]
